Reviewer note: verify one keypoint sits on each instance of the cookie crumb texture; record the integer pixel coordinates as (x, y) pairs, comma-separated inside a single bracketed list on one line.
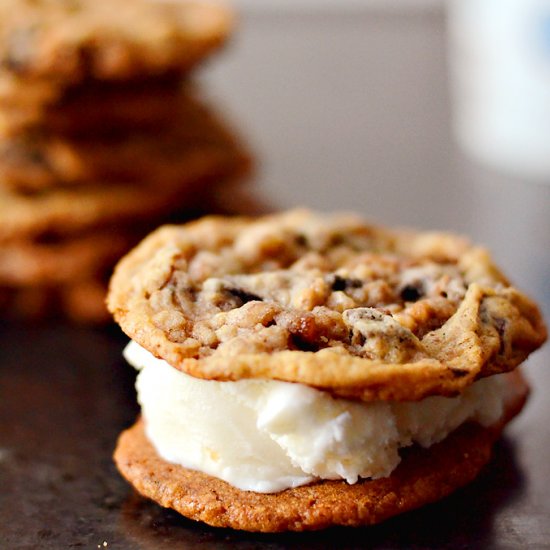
[(324, 300)]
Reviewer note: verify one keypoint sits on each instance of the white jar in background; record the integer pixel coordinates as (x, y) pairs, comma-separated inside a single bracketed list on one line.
[(500, 83)]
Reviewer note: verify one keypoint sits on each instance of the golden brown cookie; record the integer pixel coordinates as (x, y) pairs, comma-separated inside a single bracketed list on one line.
[(93, 109), (30, 303), (36, 161), (17, 93), (324, 300), (22, 102), (423, 476), (82, 301), (66, 211), (24, 263), (69, 41)]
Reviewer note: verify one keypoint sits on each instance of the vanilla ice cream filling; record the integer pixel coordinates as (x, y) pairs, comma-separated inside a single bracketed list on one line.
[(267, 436)]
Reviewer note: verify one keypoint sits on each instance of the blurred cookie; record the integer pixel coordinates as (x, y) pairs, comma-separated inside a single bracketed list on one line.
[(17, 93), (29, 303), (324, 300), (81, 301), (26, 263), (35, 161), (66, 211), (69, 41), (94, 109), (98, 141), (84, 302)]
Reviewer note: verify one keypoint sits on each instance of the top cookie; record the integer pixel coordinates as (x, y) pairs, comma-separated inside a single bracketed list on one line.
[(328, 301), (70, 40)]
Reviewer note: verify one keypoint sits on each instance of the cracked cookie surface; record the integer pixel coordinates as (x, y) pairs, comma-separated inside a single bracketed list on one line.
[(324, 300)]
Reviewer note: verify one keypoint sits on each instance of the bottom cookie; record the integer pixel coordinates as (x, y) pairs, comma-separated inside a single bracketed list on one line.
[(424, 476)]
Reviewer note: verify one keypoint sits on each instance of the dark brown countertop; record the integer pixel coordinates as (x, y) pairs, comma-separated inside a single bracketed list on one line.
[(343, 111)]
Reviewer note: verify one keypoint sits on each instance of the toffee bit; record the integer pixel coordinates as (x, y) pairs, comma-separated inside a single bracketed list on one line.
[(304, 331), (243, 295)]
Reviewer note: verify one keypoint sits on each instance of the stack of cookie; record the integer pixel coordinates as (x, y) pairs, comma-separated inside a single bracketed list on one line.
[(102, 137)]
